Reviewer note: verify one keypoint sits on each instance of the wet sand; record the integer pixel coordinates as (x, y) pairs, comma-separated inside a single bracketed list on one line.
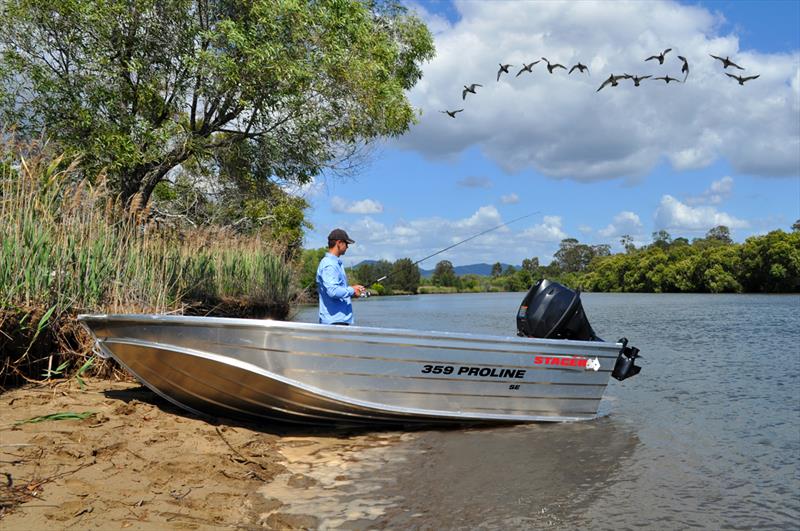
[(139, 463)]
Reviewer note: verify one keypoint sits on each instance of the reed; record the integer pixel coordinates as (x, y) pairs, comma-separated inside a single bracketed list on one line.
[(67, 246)]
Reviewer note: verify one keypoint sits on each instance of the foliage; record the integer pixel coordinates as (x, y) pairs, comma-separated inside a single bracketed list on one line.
[(308, 264), (368, 273), (246, 96), (67, 247), (713, 264), (573, 256), (425, 290), (405, 276), (401, 276), (771, 263), (721, 234), (444, 274), (377, 289), (248, 205), (497, 269)]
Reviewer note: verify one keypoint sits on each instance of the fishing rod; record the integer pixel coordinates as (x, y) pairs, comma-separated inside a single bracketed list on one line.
[(384, 277)]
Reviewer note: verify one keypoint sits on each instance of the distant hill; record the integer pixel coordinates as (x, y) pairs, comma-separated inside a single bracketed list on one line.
[(471, 269)]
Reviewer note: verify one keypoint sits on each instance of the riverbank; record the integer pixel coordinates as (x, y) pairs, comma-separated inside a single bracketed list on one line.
[(71, 246), (134, 462)]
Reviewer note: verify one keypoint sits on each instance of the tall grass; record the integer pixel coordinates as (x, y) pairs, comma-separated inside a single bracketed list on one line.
[(67, 246)]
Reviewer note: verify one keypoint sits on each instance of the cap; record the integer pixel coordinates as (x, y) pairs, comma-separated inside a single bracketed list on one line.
[(340, 234)]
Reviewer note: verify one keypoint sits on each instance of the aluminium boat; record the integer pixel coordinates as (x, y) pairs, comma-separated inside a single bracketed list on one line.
[(264, 370)]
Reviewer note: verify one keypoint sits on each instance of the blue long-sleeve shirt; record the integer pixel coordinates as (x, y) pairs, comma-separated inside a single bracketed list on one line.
[(334, 293)]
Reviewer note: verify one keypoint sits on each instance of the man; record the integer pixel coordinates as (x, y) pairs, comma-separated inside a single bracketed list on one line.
[(334, 293)]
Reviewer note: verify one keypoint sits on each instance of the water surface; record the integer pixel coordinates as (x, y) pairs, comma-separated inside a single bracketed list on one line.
[(707, 436)]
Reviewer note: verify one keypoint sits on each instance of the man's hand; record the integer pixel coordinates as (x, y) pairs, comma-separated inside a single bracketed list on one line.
[(359, 290)]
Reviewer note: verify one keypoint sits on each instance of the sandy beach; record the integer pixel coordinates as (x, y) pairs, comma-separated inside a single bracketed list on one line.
[(138, 463)]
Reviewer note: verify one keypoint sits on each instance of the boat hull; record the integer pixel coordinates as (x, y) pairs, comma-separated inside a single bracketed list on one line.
[(273, 370)]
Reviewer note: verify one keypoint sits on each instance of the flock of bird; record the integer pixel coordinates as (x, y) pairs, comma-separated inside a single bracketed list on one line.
[(612, 80)]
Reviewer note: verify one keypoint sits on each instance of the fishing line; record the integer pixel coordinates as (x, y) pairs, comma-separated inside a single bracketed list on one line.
[(459, 243)]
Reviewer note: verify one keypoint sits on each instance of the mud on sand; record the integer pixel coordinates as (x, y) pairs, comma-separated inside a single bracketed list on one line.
[(134, 463)]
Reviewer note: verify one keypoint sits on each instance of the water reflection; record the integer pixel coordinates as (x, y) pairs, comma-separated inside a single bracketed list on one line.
[(528, 474), (531, 474)]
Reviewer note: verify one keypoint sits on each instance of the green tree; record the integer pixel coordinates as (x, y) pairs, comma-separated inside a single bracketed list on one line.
[(140, 87), (573, 256), (367, 273), (662, 239), (627, 243), (497, 269), (233, 196), (796, 226), (405, 275), (444, 274), (528, 273), (717, 268), (531, 265), (309, 261), (771, 263), (721, 234)]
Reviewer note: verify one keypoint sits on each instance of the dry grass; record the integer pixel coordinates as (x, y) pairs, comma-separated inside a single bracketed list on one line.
[(67, 246)]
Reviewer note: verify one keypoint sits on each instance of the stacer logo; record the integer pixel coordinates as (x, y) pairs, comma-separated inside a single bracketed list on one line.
[(568, 361)]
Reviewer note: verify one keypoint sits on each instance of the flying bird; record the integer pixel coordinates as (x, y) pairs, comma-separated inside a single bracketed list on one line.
[(470, 88), (726, 62), (551, 67), (451, 114), (741, 79), (581, 68), (613, 80), (527, 68), (503, 68), (636, 79), (685, 67), (667, 79), (660, 56)]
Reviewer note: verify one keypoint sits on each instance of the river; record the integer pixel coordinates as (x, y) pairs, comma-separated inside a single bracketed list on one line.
[(707, 436)]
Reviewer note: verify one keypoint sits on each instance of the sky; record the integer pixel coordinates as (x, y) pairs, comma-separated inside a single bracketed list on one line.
[(681, 157)]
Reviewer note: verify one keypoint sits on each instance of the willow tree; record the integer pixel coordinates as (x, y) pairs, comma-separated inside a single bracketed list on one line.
[(139, 87)]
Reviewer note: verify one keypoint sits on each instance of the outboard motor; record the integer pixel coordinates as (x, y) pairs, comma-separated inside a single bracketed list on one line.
[(553, 311), (625, 367)]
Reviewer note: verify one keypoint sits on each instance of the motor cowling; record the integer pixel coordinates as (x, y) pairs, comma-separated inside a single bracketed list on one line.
[(553, 311)]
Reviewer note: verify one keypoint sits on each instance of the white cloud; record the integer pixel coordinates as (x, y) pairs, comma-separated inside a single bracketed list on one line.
[(716, 193), (624, 223), (560, 126), (547, 231), (309, 190), (510, 199), (365, 206), (475, 182), (485, 217), (418, 238), (405, 232), (672, 214)]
